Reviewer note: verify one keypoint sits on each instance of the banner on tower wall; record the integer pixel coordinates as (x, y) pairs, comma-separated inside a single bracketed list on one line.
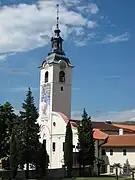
[(45, 99)]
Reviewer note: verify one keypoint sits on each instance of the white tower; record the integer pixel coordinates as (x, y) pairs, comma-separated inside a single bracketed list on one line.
[(55, 91), (55, 80)]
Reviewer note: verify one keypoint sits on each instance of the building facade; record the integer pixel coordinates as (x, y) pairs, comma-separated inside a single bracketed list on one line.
[(119, 149), (55, 112), (55, 102), (55, 96)]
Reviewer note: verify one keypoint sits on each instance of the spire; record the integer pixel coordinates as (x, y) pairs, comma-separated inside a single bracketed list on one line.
[(57, 39), (57, 30), (57, 26)]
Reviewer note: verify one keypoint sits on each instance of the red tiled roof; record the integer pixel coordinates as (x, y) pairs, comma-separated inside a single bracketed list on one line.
[(127, 140), (123, 126), (103, 126), (99, 135), (66, 119)]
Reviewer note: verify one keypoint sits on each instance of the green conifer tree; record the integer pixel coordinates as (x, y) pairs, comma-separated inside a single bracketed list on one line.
[(7, 118), (68, 149), (30, 132), (14, 153), (86, 143)]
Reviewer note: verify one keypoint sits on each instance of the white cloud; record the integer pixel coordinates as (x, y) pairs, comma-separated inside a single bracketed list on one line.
[(92, 8), (115, 39), (4, 56), (83, 41), (28, 26), (114, 116), (77, 115), (70, 3), (127, 115), (91, 24), (80, 43), (78, 30)]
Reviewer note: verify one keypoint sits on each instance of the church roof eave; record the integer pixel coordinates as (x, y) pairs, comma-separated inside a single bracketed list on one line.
[(55, 59), (54, 62)]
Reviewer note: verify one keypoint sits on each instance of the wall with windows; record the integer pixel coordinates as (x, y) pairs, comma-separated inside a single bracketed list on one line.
[(55, 140), (61, 95), (58, 130), (112, 155), (60, 81)]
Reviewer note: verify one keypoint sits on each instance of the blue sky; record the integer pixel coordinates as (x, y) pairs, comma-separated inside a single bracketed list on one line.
[(99, 39)]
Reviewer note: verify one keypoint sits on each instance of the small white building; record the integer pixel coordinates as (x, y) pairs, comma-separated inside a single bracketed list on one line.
[(119, 149)]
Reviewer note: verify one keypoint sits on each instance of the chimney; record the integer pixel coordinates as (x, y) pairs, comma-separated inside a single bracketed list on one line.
[(120, 132)]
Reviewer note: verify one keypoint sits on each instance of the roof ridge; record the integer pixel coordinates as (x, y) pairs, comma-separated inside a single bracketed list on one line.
[(123, 134)]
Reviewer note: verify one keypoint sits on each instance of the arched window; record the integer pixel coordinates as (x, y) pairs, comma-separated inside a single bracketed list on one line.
[(46, 76), (61, 76)]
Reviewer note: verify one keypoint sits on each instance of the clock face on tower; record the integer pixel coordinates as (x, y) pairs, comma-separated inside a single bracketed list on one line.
[(62, 64)]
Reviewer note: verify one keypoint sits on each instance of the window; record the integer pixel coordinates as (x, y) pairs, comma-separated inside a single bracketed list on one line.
[(103, 152), (61, 76), (63, 146), (73, 146), (61, 88), (46, 76), (111, 152), (53, 146), (54, 123), (124, 152)]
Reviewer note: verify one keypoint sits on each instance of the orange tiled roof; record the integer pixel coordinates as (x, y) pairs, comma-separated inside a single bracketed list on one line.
[(127, 140), (125, 126), (99, 135)]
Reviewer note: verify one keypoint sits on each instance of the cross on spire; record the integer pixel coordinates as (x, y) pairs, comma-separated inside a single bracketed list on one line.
[(57, 39), (57, 5)]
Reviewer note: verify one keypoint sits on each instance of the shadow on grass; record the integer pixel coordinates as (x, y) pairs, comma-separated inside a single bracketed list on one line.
[(97, 178)]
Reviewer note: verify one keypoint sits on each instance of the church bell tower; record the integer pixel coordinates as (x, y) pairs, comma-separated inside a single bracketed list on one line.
[(55, 79)]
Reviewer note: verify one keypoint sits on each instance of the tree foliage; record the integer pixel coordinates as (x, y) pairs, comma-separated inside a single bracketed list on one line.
[(68, 149), (30, 130), (42, 159), (14, 151), (19, 139), (116, 166), (7, 118), (86, 142)]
